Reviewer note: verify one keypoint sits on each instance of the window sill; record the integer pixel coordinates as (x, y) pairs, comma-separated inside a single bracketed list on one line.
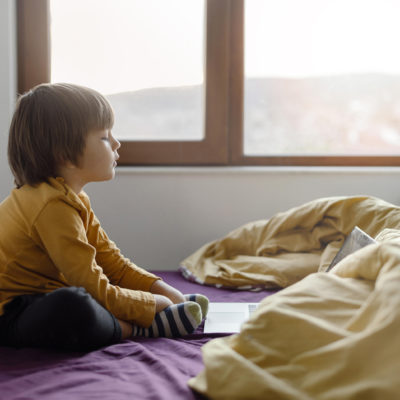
[(252, 170)]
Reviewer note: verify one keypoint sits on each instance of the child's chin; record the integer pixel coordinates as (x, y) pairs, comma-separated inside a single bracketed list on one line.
[(108, 177)]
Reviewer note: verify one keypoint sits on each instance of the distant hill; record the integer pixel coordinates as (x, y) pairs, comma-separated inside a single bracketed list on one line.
[(344, 114), (159, 113)]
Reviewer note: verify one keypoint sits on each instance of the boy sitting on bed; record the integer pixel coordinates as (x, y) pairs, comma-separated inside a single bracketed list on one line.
[(63, 282)]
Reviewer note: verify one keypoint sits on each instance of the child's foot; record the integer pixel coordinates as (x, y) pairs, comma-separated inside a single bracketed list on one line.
[(200, 299), (174, 321)]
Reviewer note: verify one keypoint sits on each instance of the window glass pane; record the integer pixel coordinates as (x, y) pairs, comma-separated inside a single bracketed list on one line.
[(145, 56), (322, 77)]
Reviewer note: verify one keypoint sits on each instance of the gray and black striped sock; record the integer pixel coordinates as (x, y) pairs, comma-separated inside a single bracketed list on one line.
[(201, 300), (174, 321)]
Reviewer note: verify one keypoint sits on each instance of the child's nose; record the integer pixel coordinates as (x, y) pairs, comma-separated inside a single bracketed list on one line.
[(115, 143)]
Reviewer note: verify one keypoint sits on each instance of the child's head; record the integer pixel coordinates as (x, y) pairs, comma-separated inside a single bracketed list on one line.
[(49, 128)]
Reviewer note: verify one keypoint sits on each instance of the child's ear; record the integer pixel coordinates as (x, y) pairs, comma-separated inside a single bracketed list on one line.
[(68, 164)]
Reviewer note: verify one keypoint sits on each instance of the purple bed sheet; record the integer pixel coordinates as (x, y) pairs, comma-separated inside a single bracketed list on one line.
[(133, 369)]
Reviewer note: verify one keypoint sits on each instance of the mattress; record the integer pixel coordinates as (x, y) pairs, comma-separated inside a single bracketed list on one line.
[(144, 368)]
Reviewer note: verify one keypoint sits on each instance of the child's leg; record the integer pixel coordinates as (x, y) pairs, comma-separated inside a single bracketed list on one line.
[(126, 329), (68, 318), (199, 299), (174, 321)]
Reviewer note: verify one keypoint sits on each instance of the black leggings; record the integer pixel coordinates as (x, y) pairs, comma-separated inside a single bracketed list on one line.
[(67, 319)]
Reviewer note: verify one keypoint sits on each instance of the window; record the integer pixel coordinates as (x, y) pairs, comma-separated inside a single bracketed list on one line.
[(329, 85), (136, 54), (208, 144), (263, 83)]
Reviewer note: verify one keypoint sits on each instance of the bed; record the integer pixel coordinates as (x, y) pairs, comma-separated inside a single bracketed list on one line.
[(133, 369), (325, 335)]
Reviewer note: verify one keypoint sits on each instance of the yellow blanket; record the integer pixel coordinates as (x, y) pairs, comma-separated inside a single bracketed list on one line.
[(329, 336), (289, 246)]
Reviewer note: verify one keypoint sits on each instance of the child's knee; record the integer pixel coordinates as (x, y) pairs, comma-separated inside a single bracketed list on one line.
[(72, 304), (69, 298), (78, 314)]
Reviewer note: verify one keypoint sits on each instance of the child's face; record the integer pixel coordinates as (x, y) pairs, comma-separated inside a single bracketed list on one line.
[(99, 158)]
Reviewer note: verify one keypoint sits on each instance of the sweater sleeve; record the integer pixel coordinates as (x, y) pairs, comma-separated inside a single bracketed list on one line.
[(120, 270), (61, 231)]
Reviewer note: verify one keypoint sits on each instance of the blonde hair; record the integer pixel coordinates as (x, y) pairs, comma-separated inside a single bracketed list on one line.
[(49, 127)]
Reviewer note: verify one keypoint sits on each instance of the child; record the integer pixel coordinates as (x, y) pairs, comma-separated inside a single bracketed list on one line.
[(63, 282)]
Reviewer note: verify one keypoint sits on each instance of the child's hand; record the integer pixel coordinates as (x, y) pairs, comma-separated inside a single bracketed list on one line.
[(162, 288), (162, 302)]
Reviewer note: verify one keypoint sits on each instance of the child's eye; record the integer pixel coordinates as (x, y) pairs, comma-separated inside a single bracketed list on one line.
[(105, 138)]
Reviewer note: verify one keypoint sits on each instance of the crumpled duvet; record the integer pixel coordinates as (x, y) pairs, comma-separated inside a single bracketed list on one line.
[(330, 336), (289, 246), (326, 336)]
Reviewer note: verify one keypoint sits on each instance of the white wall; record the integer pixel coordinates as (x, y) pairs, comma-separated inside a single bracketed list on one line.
[(7, 86), (158, 216)]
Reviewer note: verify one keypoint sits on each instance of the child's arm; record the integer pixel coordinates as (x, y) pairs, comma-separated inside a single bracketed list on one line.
[(60, 231), (119, 269), (161, 288)]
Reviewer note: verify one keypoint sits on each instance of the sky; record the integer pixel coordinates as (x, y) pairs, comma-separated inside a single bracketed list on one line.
[(294, 38), (122, 45)]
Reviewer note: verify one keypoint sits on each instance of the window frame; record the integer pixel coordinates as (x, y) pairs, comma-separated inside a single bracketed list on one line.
[(224, 90)]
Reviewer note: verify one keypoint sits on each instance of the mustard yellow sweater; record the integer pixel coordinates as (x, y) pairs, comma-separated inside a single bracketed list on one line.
[(50, 238)]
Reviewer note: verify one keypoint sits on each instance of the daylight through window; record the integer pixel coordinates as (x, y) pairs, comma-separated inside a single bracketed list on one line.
[(228, 82), (322, 77), (145, 56)]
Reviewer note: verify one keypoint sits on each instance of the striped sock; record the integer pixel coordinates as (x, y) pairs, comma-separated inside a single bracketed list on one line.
[(174, 321), (200, 299)]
